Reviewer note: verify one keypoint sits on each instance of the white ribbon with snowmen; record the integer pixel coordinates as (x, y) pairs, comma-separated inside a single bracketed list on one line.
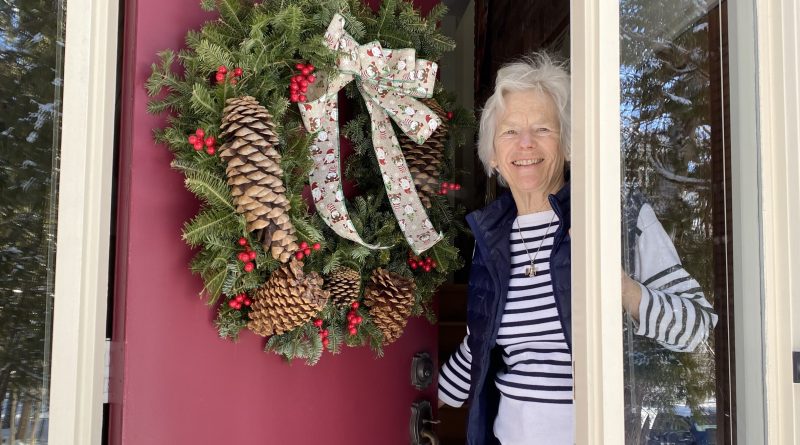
[(389, 80)]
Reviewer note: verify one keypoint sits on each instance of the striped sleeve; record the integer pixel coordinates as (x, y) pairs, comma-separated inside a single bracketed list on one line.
[(673, 310), (454, 378)]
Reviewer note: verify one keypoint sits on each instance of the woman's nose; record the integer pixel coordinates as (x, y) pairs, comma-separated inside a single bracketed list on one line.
[(526, 139)]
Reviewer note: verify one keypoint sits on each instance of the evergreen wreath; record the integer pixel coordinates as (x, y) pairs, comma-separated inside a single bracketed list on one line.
[(268, 261)]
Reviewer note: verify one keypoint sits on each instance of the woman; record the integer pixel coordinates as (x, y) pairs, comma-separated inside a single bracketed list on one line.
[(514, 365)]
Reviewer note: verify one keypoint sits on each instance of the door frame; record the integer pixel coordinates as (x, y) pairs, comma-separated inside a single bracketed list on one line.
[(765, 81), (84, 222)]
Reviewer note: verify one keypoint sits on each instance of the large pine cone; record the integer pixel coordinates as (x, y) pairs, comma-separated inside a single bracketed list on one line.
[(344, 285), (425, 161), (287, 300), (390, 298), (255, 175)]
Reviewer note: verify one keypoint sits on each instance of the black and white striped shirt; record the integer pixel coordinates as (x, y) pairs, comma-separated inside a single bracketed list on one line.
[(536, 356)]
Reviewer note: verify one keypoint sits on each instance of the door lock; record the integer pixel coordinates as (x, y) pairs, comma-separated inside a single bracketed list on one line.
[(421, 370)]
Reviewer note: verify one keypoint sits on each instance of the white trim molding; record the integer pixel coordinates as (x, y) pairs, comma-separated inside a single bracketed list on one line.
[(596, 238), (779, 139), (84, 216)]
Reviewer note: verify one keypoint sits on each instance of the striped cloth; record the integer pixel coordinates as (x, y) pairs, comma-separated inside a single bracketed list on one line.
[(673, 311)]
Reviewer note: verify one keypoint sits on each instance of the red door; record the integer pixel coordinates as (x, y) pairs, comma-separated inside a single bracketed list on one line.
[(173, 381)]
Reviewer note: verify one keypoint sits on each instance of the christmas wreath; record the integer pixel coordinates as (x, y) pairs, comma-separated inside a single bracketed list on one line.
[(253, 123)]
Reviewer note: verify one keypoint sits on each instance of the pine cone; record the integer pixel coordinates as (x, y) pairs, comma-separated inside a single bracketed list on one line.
[(390, 298), (425, 161), (288, 299), (344, 285), (253, 168)]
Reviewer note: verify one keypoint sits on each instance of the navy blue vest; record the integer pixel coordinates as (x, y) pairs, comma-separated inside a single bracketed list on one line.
[(488, 287)]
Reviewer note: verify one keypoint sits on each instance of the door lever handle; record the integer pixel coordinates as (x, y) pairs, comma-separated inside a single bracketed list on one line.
[(420, 424)]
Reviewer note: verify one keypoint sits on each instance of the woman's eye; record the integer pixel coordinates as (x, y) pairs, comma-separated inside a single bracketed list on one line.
[(543, 130), (510, 132)]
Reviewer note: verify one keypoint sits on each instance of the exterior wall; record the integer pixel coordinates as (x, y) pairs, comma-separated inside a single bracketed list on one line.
[(173, 380)]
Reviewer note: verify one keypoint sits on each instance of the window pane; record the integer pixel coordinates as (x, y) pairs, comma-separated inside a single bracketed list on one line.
[(676, 192), (31, 54)]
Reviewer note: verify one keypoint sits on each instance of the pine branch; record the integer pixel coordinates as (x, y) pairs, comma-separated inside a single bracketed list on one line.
[(211, 189)]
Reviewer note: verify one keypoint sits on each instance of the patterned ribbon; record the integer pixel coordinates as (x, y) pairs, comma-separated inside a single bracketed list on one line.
[(389, 80)]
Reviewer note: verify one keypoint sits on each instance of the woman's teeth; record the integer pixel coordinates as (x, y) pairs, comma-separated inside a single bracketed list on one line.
[(522, 162)]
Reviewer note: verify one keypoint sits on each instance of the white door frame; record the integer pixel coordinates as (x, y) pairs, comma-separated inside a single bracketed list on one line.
[(84, 216)]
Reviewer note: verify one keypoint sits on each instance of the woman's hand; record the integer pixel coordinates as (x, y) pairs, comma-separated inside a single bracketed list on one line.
[(631, 295)]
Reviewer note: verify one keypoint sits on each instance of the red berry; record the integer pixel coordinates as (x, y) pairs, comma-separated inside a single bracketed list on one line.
[(251, 255), (358, 319), (247, 301), (210, 140), (198, 145), (426, 268), (238, 72), (249, 267), (305, 71), (353, 331), (220, 77), (302, 98), (234, 81), (211, 150), (299, 66), (318, 322), (299, 255), (294, 87), (458, 186), (449, 115), (200, 133), (325, 342), (222, 69), (433, 264), (307, 251), (303, 245), (297, 78), (192, 139), (303, 89), (428, 260), (243, 257), (242, 241), (311, 78), (294, 97), (316, 246), (350, 318), (354, 305), (232, 304), (310, 67), (413, 265), (240, 298), (303, 83), (323, 332), (410, 261)]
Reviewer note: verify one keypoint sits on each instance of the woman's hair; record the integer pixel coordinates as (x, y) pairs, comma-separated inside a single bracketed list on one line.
[(536, 72)]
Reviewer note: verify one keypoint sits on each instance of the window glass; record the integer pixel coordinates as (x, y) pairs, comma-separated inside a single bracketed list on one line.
[(676, 192), (31, 61)]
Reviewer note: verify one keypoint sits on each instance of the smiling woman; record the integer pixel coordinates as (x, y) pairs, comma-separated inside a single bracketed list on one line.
[(519, 322)]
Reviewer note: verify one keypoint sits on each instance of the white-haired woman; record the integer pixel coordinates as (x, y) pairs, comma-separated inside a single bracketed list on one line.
[(514, 365)]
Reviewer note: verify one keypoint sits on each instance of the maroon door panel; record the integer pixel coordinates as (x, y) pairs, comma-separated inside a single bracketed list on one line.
[(173, 380)]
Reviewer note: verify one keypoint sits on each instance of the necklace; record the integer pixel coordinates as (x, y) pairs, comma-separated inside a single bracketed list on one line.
[(532, 270)]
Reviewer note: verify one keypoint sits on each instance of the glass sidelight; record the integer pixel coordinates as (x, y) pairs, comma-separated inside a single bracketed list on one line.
[(675, 159), (31, 57)]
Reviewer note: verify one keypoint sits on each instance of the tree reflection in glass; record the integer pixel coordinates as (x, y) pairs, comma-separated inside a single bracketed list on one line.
[(31, 53), (671, 102)]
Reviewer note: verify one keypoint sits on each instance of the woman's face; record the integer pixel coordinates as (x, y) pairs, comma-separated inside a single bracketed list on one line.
[(527, 143)]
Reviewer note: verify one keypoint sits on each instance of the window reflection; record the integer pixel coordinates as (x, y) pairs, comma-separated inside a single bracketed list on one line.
[(31, 51), (673, 124)]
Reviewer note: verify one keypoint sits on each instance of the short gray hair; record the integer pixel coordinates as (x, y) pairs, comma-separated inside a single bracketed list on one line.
[(536, 72)]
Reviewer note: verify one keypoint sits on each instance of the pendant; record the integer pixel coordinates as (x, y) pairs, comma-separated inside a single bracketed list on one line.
[(531, 271)]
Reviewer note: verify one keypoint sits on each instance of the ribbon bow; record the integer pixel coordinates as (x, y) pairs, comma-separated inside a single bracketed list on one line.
[(389, 80)]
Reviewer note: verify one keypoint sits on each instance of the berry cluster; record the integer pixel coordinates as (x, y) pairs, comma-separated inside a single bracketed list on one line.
[(353, 319), (305, 249), (426, 264), (247, 256), (300, 82), (323, 333), (240, 300), (198, 140), (446, 187), (222, 74)]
